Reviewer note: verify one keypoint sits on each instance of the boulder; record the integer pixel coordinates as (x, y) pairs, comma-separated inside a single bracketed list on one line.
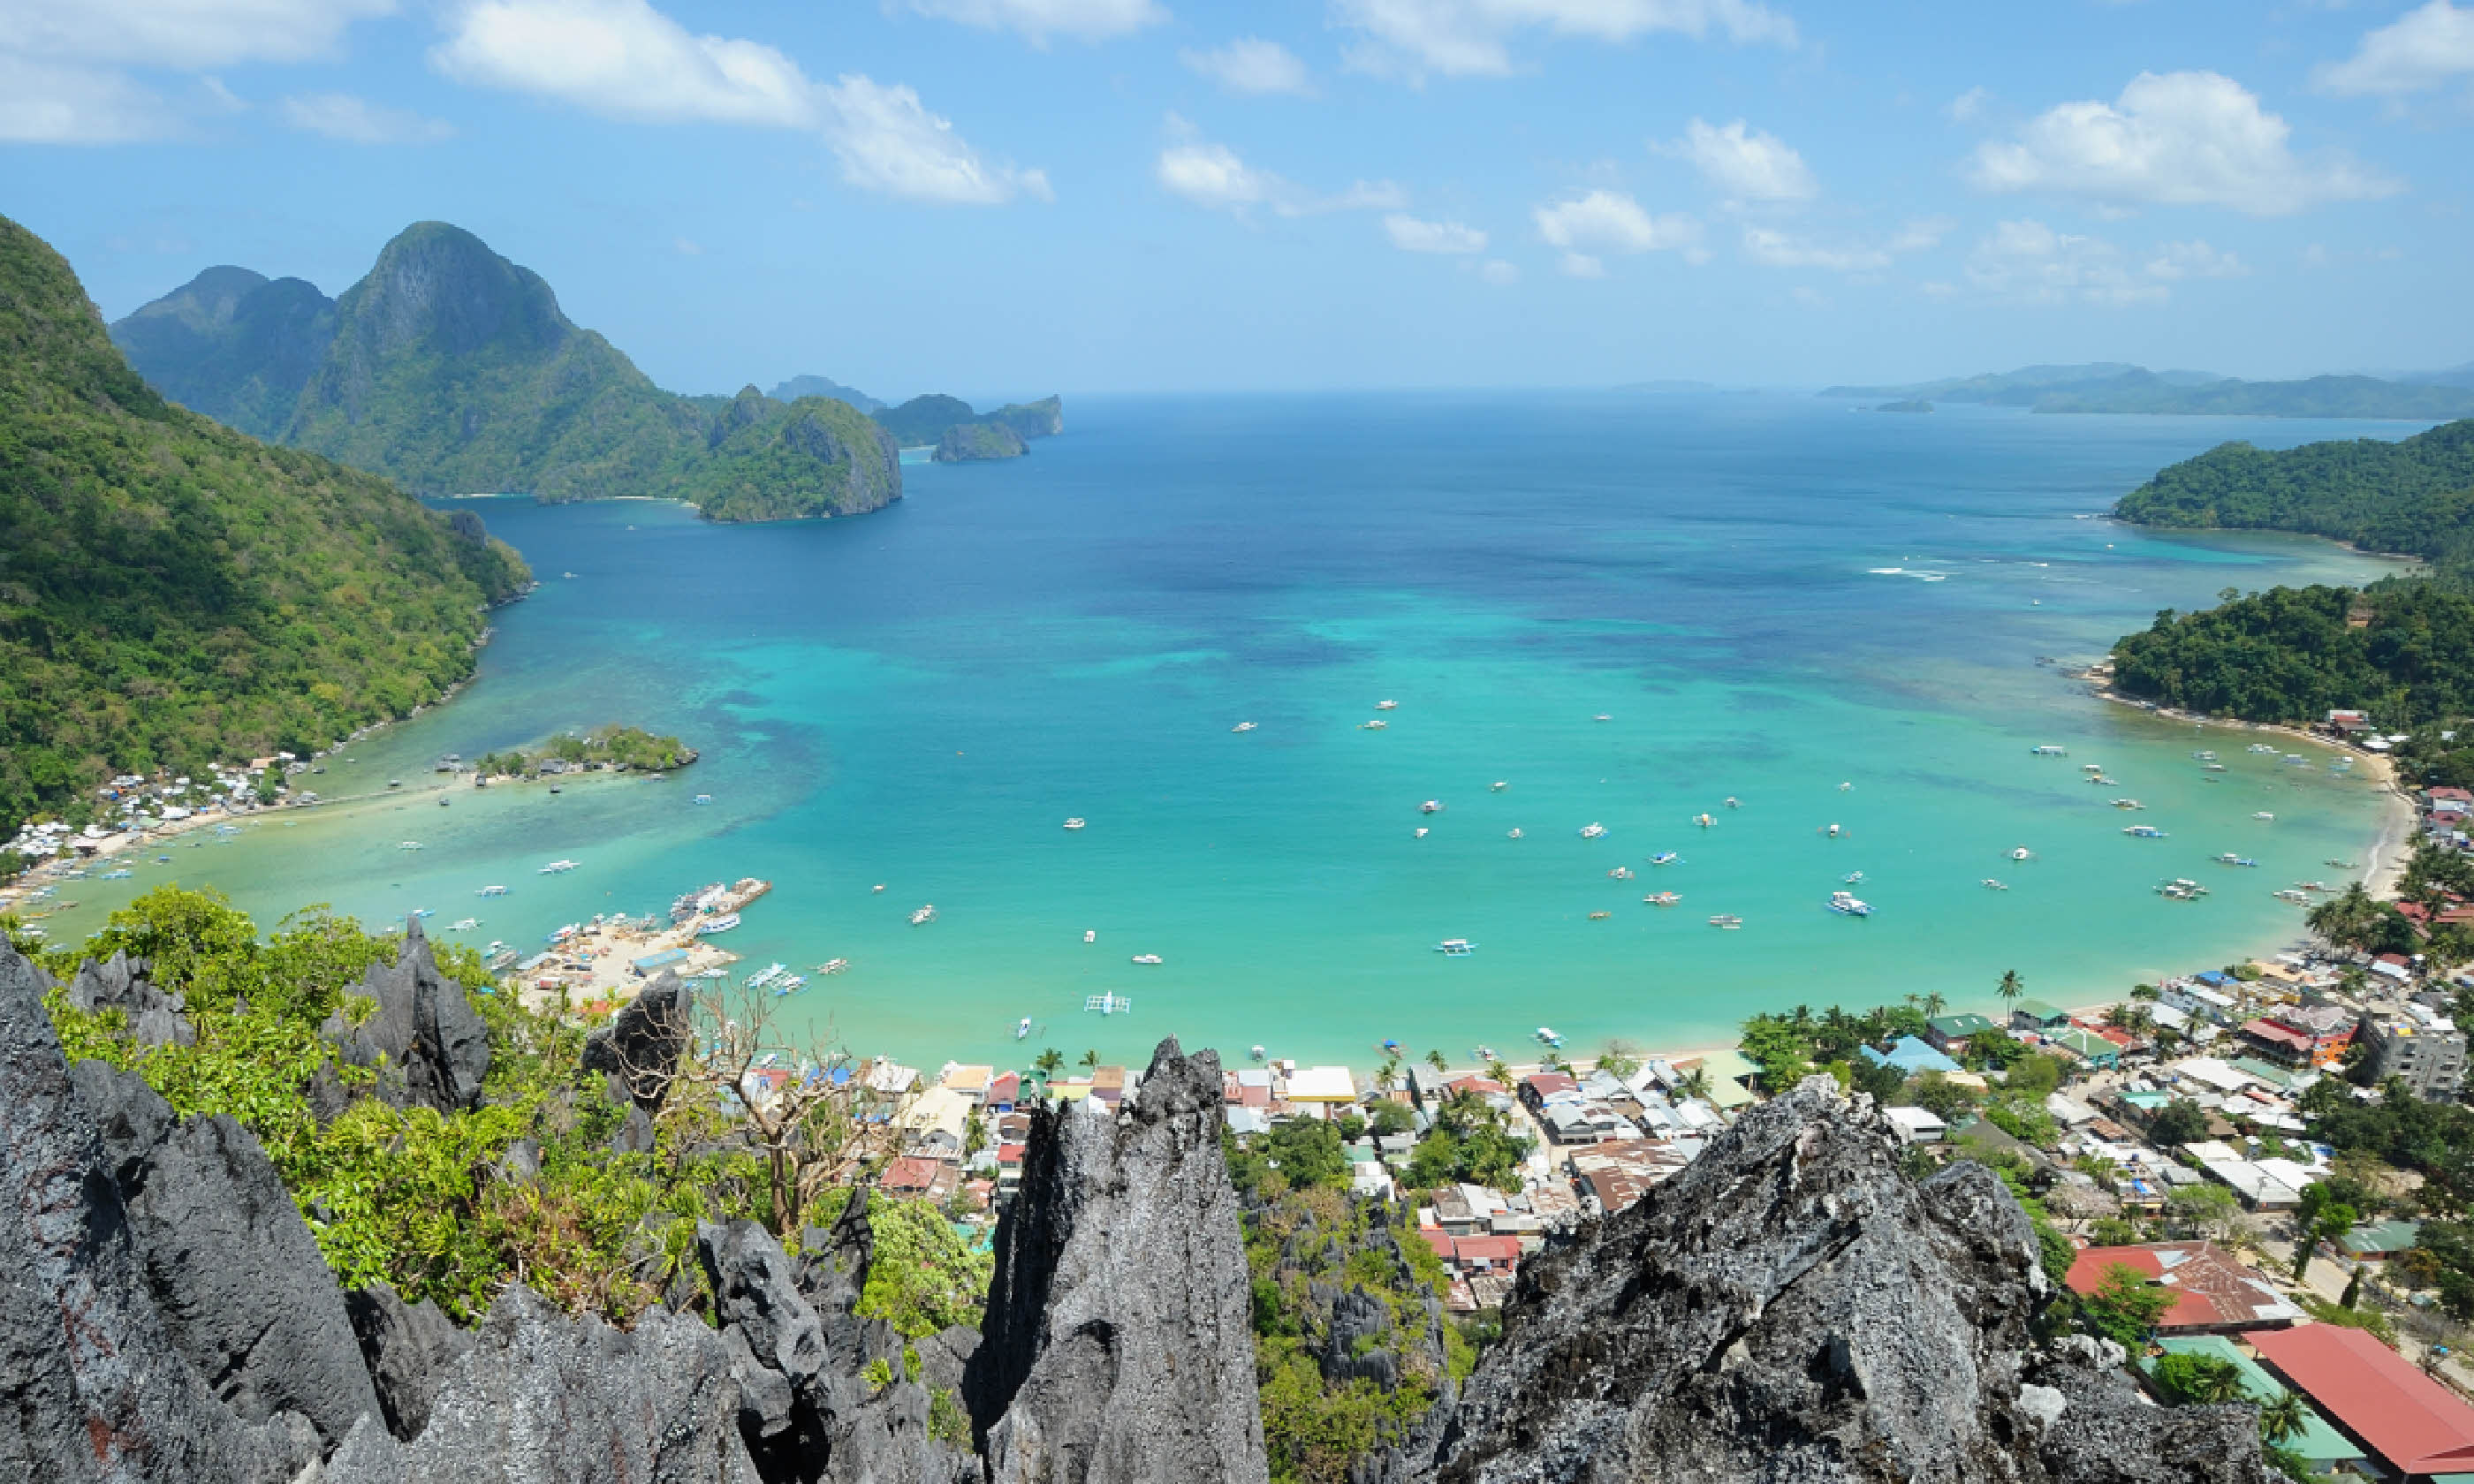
[(121, 983), (92, 1386), (407, 1349), (1119, 1343), (425, 1040), (642, 1044), (1791, 1306), (234, 1271)]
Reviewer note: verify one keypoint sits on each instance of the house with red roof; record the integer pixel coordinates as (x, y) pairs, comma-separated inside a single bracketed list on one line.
[(2214, 1292), (912, 1176), (2412, 1424)]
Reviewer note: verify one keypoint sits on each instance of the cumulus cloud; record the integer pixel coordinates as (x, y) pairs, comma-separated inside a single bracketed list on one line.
[(1214, 177), (1251, 66), (2422, 49), (1473, 38), (1969, 105), (61, 60), (1412, 235), (359, 121), (622, 59), (1774, 247), (1587, 227), (2183, 138), (1086, 20), (1747, 164), (1498, 272), (2028, 262)]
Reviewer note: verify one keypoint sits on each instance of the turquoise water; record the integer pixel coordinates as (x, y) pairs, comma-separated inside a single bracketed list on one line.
[(919, 699)]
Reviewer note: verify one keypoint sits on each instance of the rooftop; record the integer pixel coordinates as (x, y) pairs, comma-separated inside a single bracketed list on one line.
[(2413, 1421), (2318, 1444), (2214, 1290)]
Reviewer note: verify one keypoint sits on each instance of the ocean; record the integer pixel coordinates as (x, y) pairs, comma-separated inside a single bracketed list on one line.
[(1621, 609)]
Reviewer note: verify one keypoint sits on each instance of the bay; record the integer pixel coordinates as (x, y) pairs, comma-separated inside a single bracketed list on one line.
[(1766, 596)]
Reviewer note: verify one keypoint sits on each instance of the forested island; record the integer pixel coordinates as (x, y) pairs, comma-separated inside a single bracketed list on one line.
[(612, 748), (2399, 649), (2115, 387), (174, 593)]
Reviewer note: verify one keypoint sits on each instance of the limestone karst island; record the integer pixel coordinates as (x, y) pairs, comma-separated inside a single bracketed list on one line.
[(1156, 742)]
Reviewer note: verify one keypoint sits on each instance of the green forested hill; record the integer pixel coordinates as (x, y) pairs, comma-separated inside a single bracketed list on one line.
[(454, 371), (173, 591), (2414, 496), (2295, 654)]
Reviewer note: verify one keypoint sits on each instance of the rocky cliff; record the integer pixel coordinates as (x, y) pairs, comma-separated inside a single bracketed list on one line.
[(968, 442), (1792, 1306), (1118, 1345)]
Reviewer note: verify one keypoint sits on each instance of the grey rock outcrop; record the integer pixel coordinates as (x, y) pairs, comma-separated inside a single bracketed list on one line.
[(121, 983), (91, 1385), (640, 1047), (235, 1274), (1119, 1343), (542, 1399), (1791, 1307), (408, 1348), (423, 1039)]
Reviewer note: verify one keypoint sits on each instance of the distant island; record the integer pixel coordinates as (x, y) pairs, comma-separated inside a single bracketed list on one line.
[(2116, 387), (453, 370), (1910, 404), (959, 435), (2401, 649), (179, 594), (611, 749)]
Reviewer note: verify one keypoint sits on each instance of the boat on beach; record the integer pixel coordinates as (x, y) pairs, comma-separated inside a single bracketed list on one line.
[(717, 925)]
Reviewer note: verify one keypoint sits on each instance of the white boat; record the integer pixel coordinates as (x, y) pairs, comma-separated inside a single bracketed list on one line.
[(721, 924), (2100, 779), (1546, 1034), (1662, 899), (1499, 787), (1992, 885), (1844, 787), (878, 887), (924, 916), (1148, 958), (1256, 1052), (408, 845), (701, 798), (1431, 806), (1704, 821), (2128, 803), (2206, 756), (2262, 815), (1243, 727), (1075, 823), (1022, 1029), (1108, 1004), (2022, 853), (2143, 832), (1853, 878), (1733, 802), (1666, 858), (1592, 831), (1455, 948), (1513, 833), (463, 925), (1728, 920), (2049, 750), (556, 867), (2091, 767), (1602, 717), (1420, 833), (1848, 904), (766, 975), (1833, 831), (832, 966), (2298, 898), (1621, 874), (1090, 935), (2229, 858), (1373, 725), (420, 912), (2262, 747), (2181, 889), (792, 984), (1387, 705), (2212, 767)]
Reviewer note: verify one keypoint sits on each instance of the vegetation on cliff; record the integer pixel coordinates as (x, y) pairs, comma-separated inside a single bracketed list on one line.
[(931, 420), (971, 441), (173, 592), (2414, 496), (2403, 651), (453, 369)]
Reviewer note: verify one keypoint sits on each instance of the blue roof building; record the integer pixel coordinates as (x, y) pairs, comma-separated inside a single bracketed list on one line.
[(1912, 1056)]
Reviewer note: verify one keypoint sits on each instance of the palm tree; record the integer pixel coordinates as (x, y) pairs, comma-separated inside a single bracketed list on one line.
[(2218, 1385), (1499, 1072), (2283, 1420), (1049, 1063), (1695, 1084), (1934, 1004), (1090, 1061), (1434, 1060), (2011, 986), (1914, 1000), (2144, 991)]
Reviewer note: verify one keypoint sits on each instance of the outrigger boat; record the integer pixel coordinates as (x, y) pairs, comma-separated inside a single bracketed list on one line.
[(1455, 948), (1109, 1004), (1727, 920), (1992, 885), (1592, 831), (2143, 832), (1666, 858), (1848, 904), (924, 916), (1662, 899), (1243, 727), (1148, 958)]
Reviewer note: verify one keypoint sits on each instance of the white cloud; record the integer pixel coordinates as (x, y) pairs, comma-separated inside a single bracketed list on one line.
[(2195, 259), (1212, 175), (1810, 298), (1471, 37), (359, 121), (1969, 105), (625, 60), (887, 141), (1603, 222), (1925, 231), (185, 34), (1250, 64), (2184, 138), (1412, 235), (1777, 249), (1747, 164), (1087, 21), (2421, 49), (53, 102), (1498, 272), (688, 246)]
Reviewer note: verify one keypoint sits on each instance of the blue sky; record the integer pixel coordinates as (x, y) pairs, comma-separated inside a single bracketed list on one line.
[(1005, 197)]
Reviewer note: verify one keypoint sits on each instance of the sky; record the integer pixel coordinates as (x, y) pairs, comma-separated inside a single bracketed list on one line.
[(1004, 198)]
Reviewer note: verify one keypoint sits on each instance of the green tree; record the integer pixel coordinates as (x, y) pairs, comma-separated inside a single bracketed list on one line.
[(2333, 1221), (1050, 1061), (2188, 1378), (2125, 1306), (2178, 1122), (2011, 987), (1091, 1061), (1434, 1060), (2282, 1418)]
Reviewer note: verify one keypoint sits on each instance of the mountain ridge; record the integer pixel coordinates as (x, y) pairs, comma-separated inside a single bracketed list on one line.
[(2118, 387)]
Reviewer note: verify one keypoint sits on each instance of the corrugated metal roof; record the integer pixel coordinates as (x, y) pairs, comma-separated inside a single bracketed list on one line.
[(2319, 1443), (2412, 1422)]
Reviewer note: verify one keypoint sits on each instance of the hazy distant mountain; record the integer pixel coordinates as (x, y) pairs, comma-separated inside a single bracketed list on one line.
[(797, 387), (232, 344), (2112, 387), (2453, 376), (925, 421), (454, 371)]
